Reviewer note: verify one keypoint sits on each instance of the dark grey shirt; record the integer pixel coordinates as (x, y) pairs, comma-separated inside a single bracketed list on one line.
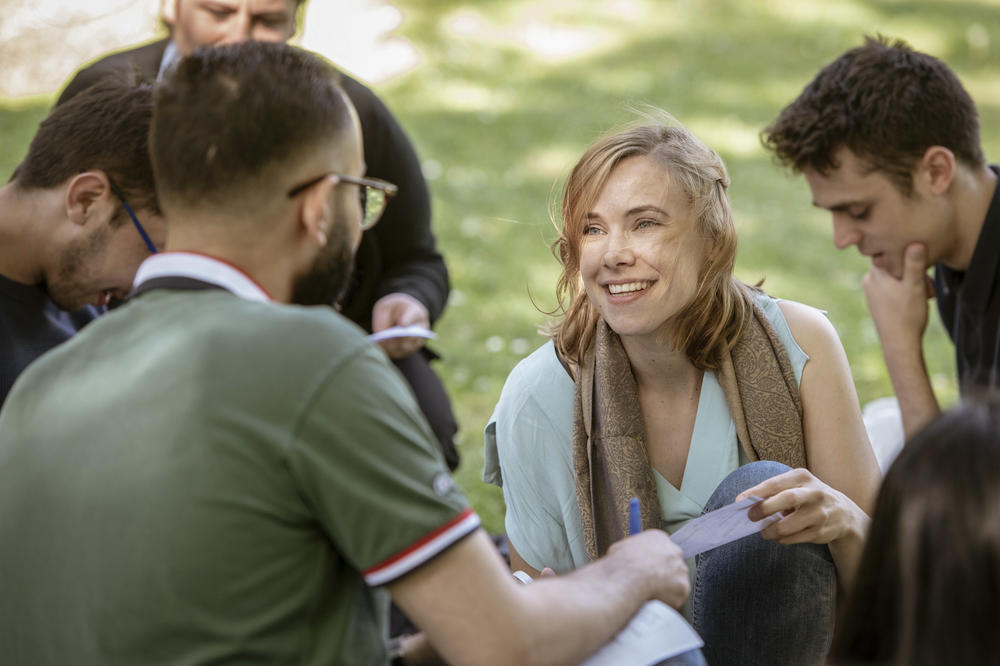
[(969, 304), (30, 325)]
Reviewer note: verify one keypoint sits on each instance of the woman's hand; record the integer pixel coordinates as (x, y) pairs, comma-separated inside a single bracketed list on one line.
[(812, 511)]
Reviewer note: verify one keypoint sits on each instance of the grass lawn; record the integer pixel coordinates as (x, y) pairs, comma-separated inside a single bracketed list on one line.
[(510, 92)]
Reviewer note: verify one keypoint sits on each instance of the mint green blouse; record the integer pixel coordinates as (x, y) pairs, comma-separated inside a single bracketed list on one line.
[(528, 452)]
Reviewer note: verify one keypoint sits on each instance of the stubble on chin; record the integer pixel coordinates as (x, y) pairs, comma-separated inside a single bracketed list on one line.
[(69, 288), (327, 279)]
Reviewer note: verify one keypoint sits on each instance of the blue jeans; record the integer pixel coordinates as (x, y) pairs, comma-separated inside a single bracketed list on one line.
[(758, 602)]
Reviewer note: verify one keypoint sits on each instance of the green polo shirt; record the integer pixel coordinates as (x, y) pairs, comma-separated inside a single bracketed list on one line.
[(202, 479)]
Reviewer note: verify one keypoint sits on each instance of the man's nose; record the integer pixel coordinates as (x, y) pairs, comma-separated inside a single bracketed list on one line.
[(845, 233), (238, 28)]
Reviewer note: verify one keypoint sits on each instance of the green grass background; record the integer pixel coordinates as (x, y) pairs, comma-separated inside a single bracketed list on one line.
[(508, 93)]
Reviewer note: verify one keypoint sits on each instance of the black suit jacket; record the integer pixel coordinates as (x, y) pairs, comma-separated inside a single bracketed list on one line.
[(399, 254)]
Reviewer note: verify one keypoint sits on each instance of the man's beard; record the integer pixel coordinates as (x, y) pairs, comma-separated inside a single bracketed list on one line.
[(74, 286), (327, 279)]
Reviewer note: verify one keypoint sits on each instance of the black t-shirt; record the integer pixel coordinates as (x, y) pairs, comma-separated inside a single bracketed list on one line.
[(30, 325), (969, 304)]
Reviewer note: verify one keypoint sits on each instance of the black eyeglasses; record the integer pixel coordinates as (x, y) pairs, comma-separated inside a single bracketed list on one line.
[(135, 220), (375, 194)]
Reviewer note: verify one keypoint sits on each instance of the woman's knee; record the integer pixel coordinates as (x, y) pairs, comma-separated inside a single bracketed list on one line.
[(741, 478)]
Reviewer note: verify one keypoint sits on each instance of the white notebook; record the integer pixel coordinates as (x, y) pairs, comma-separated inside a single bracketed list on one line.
[(655, 633)]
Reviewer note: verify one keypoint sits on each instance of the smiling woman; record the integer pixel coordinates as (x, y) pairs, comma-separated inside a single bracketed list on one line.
[(641, 242), (671, 381)]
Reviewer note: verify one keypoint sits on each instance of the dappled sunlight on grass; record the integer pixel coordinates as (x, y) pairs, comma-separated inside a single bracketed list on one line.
[(508, 93), (541, 38), (465, 96), (984, 86), (18, 121), (549, 162), (729, 135), (811, 14)]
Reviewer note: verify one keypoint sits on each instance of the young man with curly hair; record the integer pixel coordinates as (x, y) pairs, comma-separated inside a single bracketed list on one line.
[(888, 141)]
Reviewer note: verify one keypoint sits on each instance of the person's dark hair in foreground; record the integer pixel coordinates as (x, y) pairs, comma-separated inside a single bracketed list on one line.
[(928, 586)]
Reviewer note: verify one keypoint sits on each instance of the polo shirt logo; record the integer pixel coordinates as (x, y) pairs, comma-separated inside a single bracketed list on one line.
[(442, 484)]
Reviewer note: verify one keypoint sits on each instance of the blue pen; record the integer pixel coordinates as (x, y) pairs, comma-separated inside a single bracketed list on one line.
[(634, 519)]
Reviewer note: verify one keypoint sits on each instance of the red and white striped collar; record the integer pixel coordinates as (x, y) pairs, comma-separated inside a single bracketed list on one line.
[(200, 267)]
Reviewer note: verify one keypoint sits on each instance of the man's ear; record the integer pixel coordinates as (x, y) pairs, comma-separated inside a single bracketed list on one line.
[(937, 169), (87, 192), (316, 213)]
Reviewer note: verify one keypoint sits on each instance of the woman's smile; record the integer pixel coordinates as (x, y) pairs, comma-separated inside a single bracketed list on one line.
[(628, 287), (640, 232)]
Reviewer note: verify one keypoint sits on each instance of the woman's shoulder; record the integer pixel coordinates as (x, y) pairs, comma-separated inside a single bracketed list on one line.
[(539, 373), (533, 417), (781, 310), (810, 327), (799, 327), (538, 389)]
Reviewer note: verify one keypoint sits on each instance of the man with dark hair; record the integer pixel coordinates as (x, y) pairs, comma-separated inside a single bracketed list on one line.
[(66, 243), (888, 141), (400, 278), (266, 476)]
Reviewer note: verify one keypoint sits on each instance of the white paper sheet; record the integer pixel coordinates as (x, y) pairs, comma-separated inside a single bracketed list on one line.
[(403, 332), (719, 527), (655, 633)]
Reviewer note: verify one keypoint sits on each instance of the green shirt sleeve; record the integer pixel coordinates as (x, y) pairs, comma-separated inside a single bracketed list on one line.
[(365, 461)]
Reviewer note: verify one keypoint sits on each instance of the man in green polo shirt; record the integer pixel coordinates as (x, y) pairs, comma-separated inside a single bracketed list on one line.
[(211, 475)]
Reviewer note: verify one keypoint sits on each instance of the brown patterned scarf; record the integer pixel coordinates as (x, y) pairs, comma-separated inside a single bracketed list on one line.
[(609, 438)]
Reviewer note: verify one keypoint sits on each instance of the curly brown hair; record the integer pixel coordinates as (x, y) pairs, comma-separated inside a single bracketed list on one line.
[(887, 104)]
